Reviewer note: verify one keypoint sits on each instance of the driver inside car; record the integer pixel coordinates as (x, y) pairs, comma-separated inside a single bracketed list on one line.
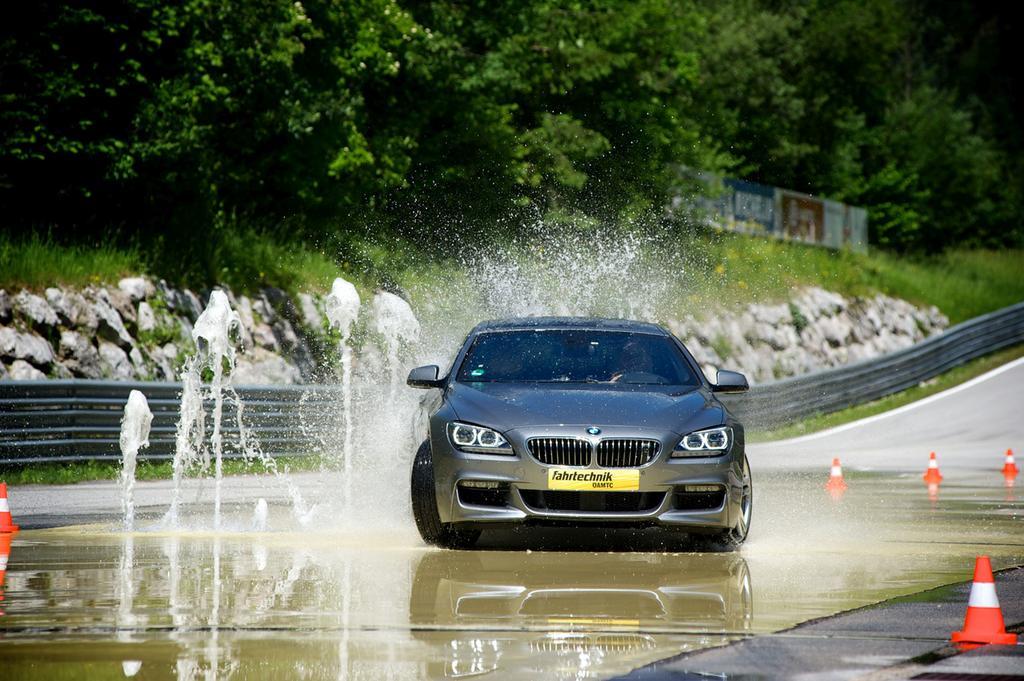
[(637, 365)]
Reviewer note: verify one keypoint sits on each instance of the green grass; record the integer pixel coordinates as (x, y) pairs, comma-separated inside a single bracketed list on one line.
[(961, 283), (248, 262), (245, 261), (69, 473), (942, 382), (716, 269), (38, 262)]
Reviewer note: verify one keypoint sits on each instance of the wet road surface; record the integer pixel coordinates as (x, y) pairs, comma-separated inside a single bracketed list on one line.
[(84, 602), (87, 602)]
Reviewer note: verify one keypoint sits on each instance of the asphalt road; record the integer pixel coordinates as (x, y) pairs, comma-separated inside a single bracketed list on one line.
[(346, 598), (969, 427)]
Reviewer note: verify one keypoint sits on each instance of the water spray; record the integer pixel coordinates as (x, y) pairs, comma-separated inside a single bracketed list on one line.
[(342, 309), (206, 376), (394, 320), (135, 426)]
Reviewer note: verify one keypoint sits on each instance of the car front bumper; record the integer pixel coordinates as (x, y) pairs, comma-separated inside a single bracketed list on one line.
[(523, 484)]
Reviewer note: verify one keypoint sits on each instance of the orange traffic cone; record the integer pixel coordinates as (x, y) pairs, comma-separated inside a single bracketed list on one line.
[(1010, 467), (6, 521), (984, 621), (5, 552), (836, 484), (932, 475)]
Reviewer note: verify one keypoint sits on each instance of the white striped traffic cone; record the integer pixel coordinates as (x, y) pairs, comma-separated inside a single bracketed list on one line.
[(984, 621), (836, 485), (7, 525), (835, 476), (1010, 469), (932, 475), (5, 552)]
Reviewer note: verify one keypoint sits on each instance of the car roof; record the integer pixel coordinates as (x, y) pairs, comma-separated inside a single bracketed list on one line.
[(569, 323)]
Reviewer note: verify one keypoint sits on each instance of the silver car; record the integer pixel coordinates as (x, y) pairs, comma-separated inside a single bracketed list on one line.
[(583, 422)]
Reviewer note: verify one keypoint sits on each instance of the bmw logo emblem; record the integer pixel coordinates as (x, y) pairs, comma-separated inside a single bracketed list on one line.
[(594, 430)]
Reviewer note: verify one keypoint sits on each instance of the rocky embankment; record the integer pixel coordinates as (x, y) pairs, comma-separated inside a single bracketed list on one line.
[(142, 329), (817, 329)]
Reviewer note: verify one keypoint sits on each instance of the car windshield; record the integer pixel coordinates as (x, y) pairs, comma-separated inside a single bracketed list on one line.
[(575, 356)]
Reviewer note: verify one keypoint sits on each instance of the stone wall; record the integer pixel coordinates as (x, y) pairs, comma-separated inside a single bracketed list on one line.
[(141, 329), (816, 330)]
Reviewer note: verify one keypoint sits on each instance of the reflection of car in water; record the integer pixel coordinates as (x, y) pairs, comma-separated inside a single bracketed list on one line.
[(603, 604), (580, 421)]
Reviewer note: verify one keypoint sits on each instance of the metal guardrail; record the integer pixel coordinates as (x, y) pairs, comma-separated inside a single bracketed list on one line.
[(79, 420), (792, 399)]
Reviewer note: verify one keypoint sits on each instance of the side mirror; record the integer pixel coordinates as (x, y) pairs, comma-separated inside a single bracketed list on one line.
[(425, 377), (730, 382)]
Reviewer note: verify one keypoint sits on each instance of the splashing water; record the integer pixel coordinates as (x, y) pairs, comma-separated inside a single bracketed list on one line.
[(259, 516), (394, 320), (212, 335), (206, 376), (342, 306), (613, 274), (375, 432), (214, 348), (618, 273), (571, 274), (135, 426), (342, 309)]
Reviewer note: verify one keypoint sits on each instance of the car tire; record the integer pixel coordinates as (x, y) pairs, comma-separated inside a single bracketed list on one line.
[(424, 506), (731, 539)]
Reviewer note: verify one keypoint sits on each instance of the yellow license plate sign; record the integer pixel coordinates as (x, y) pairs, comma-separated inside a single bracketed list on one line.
[(593, 480)]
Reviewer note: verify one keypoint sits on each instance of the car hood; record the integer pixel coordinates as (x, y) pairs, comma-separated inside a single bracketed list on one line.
[(505, 406)]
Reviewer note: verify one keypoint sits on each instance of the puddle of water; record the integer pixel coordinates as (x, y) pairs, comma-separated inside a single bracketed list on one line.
[(90, 603)]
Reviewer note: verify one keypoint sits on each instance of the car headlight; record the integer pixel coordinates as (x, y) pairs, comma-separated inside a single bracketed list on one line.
[(470, 438), (704, 442)]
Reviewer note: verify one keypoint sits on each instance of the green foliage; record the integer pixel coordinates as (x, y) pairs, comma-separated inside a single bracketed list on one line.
[(722, 347), (246, 261), (160, 335), (719, 270), (931, 179), (174, 127), (799, 319), (961, 283)]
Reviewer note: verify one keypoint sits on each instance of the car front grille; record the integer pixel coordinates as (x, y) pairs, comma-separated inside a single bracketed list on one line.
[(606, 643), (594, 502), (560, 451), (623, 453)]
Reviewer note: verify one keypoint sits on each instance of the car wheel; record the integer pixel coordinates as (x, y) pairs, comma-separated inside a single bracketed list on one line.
[(732, 538), (424, 506)]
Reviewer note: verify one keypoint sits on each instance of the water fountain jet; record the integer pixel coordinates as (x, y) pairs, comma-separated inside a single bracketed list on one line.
[(135, 426), (342, 309), (214, 349), (206, 376)]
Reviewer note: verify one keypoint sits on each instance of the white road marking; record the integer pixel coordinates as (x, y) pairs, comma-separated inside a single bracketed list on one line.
[(900, 410)]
